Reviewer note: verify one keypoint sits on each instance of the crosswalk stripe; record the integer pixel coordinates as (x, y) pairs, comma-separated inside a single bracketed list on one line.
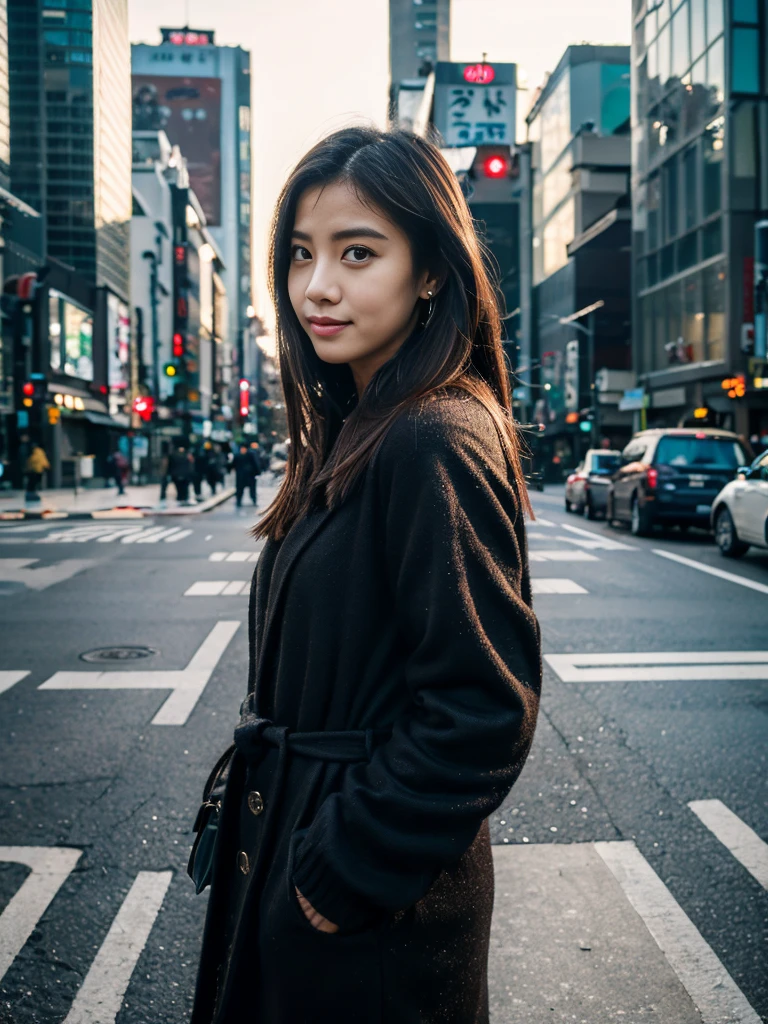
[(659, 666), (154, 538), (50, 867), (107, 534), (714, 992), (731, 577), (118, 534), (745, 845), (101, 994), (234, 556), (152, 532), (600, 539), (179, 536), (543, 522), (9, 678), (218, 588), (542, 585), (564, 555)]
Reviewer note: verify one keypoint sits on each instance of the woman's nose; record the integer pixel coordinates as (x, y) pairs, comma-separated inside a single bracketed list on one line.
[(323, 287)]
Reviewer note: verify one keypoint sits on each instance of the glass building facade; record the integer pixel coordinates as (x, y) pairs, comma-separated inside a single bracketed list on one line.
[(71, 130), (699, 137), (419, 35)]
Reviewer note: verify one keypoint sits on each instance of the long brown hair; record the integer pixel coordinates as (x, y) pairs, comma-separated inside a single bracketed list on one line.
[(459, 346)]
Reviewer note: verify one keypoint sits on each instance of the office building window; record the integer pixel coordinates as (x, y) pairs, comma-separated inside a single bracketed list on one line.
[(690, 178), (714, 144), (745, 62), (714, 19), (663, 55), (714, 308), (558, 232), (716, 71), (746, 11), (712, 239), (693, 319), (681, 53), (671, 216), (698, 29)]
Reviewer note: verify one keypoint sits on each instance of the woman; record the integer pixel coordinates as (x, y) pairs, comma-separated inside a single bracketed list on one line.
[(395, 657)]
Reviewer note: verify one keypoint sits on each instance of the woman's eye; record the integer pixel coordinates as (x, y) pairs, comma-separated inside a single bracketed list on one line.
[(357, 254), (300, 254)]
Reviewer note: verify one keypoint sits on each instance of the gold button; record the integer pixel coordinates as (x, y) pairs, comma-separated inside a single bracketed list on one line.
[(255, 802), (242, 862)]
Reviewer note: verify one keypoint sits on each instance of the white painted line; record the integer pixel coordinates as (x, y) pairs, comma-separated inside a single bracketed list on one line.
[(21, 570), (566, 555), (238, 556), (601, 539), (186, 684), (659, 666), (101, 994), (150, 532), (543, 522), (541, 585), (235, 588), (732, 577), (205, 588), (157, 536), (9, 678), (713, 991), (126, 531), (217, 556), (179, 536), (50, 867), (745, 845)]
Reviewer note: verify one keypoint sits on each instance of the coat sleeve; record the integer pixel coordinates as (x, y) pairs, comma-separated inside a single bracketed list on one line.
[(455, 562)]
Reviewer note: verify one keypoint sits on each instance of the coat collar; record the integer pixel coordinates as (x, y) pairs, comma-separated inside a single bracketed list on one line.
[(295, 541)]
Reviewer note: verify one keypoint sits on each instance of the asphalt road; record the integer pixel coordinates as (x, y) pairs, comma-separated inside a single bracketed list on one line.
[(631, 876)]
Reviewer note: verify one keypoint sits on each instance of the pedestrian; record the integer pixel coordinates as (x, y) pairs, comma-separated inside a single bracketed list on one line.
[(118, 467), (181, 469), (210, 466), (245, 475), (200, 466), (395, 658), (37, 463)]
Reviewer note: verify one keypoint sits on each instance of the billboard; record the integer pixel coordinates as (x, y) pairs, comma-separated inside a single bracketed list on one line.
[(188, 110), (475, 104)]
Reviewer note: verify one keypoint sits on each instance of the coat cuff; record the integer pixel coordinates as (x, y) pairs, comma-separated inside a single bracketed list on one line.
[(328, 894)]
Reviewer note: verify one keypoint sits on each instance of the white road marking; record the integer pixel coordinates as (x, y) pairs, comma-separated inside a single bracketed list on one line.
[(101, 994), (186, 684), (50, 866), (9, 678), (542, 585), (218, 588), (714, 992), (19, 570), (165, 535), (234, 556), (598, 540), (543, 522), (179, 536), (745, 844), (106, 534), (732, 577), (153, 531), (565, 555), (113, 534), (659, 666)]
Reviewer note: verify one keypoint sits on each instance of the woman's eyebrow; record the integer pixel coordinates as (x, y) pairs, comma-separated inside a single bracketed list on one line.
[(340, 236)]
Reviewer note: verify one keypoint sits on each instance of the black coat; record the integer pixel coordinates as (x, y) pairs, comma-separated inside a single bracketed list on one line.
[(396, 670), (244, 467)]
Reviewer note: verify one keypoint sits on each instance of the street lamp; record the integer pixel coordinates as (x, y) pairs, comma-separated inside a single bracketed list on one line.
[(589, 330)]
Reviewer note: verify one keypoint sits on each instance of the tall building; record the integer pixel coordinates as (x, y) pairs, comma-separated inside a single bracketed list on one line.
[(199, 94), (699, 185), (419, 37), (579, 150), (71, 131)]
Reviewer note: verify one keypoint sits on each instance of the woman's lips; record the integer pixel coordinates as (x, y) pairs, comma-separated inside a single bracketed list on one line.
[(327, 330)]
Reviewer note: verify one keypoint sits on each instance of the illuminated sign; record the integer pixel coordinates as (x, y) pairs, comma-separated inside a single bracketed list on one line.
[(479, 74), (187, 36), (735, 386)]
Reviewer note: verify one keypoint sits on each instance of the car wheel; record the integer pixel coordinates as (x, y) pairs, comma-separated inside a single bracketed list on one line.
[(589, 511), (726, 537), (640, 523), (568, 506)]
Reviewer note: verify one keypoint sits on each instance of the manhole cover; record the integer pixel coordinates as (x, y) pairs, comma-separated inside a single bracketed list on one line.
[(118, 654)]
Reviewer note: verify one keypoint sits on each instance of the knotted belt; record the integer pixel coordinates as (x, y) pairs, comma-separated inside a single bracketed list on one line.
[(254, 732)]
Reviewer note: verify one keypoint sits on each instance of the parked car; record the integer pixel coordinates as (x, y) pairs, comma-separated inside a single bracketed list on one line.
[(671, 476), (586, 489), (740, 510)]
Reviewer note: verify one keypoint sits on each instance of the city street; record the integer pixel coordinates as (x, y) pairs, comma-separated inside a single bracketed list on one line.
[(631, 858)]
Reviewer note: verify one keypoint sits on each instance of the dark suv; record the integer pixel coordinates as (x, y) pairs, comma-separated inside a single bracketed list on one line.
[(671, 477)]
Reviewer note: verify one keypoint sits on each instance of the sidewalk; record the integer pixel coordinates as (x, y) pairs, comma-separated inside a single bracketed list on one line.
[(105, 503)]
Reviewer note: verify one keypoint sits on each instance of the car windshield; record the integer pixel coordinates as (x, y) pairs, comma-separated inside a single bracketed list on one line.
[(693, 452), (605, 464)]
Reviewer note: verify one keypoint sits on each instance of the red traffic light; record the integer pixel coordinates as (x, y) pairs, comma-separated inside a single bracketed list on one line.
[(28, 389), (495, 166), (178, 346), (144, 405)]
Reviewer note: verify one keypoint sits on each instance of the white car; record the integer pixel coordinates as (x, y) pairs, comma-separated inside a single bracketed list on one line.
[(740, 510)]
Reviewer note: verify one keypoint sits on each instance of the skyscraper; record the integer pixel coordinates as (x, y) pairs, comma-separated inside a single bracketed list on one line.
[(71, 130), (419, 36)]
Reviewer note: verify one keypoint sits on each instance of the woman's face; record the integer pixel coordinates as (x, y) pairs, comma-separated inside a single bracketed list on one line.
[(351, 280)]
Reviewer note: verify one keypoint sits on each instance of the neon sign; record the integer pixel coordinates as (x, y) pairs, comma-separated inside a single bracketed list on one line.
[(479, 74)]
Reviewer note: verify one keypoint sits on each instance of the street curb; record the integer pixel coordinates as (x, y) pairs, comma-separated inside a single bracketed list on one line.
[(118, 512)]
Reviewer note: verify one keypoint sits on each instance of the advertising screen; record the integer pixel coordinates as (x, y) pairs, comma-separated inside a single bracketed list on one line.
[(188, 110)]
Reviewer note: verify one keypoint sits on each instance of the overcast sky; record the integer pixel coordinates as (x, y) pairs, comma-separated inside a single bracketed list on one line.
[(317, 66)]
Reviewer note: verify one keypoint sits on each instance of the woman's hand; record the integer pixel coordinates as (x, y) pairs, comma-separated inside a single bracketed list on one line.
[(316, 919)]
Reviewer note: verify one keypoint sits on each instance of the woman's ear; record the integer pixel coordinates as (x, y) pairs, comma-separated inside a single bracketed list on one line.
[(430, 287)]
